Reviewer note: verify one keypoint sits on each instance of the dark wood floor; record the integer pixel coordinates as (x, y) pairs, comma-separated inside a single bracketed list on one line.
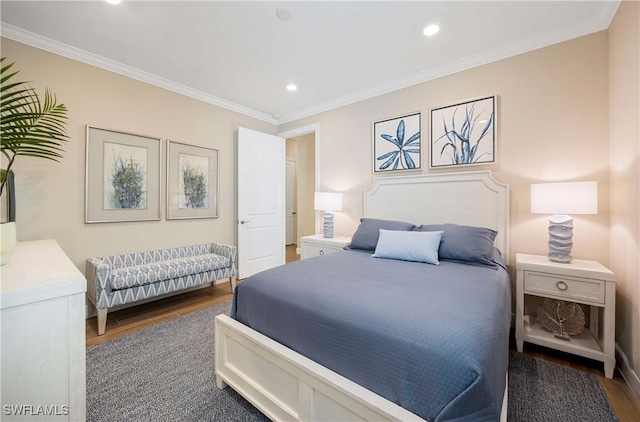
[(624, 401)]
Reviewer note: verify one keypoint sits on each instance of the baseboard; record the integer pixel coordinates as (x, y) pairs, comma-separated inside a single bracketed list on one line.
[(90, 310), (299, 251), (627, 371)]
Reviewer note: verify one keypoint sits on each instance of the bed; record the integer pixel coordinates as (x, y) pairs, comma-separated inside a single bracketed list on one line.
[(319, 357)]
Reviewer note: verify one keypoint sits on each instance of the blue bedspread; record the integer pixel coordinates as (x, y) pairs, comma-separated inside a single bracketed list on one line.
[(433, 339)]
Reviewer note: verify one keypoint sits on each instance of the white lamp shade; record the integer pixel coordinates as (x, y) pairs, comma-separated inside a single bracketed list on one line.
[(327, 201), (564, 198)]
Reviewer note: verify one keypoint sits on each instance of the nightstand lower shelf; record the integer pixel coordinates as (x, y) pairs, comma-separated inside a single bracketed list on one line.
[(583, 344)]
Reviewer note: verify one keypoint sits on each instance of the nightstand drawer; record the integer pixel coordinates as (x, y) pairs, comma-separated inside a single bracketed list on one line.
[(565, 287), (317, 245), (310, 250)]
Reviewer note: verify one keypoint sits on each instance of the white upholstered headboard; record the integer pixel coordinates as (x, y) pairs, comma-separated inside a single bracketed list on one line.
[(470, 198)]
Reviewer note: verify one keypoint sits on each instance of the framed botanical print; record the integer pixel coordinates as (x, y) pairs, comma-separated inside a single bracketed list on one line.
[(122, 176), (192, 181), (396, 143), (463, 133)]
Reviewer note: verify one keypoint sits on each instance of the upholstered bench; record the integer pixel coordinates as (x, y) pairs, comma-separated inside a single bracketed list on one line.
[(121, 279)]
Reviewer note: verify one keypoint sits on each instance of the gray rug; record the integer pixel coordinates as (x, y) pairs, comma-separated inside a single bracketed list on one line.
[(544, 391), (166, 373)]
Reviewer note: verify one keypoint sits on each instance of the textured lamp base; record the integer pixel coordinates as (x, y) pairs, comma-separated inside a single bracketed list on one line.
[(560, 238), (328, 224)]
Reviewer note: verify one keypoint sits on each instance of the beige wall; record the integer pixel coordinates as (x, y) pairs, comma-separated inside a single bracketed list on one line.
[(553, 126), (624, 140), (50, 196)]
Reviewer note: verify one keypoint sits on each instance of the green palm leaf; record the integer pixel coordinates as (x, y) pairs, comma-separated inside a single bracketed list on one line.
[(28, 126)]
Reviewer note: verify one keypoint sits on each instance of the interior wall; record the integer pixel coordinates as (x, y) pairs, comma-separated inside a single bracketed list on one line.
[(50, 195), (624, 139), (552, 126)]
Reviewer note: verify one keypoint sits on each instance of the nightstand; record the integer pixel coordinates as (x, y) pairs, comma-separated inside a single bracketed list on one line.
[(319, 245), (584, 282)]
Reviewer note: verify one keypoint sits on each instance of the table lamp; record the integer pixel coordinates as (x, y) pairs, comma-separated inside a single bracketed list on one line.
[(327, 202), (562, 199)]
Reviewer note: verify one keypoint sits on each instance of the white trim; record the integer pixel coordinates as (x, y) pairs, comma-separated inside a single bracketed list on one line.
[(627, 371), (305, 130), (43, 43)]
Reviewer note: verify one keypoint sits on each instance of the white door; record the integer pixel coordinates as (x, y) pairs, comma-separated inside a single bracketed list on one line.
[(290, 203), (261, 202)]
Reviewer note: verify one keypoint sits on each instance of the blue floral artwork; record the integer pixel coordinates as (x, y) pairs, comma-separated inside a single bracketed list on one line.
[(464, 133), (396, 143)]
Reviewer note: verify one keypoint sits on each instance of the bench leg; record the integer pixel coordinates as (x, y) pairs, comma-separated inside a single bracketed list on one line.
[(102, 320), (232, 281)]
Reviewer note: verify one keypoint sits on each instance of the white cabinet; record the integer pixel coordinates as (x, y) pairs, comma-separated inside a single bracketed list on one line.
[(319, 245), (42, 345), (585, 282)]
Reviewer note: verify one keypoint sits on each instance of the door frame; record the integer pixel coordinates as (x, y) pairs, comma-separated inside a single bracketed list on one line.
[(305, 130)]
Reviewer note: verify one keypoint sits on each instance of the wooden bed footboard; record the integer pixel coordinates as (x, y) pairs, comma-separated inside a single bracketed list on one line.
[(285, 385)]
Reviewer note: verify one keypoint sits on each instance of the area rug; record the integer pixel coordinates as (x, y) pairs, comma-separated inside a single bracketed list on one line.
[(166, 373)]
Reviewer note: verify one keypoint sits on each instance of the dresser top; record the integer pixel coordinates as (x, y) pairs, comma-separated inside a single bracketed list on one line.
[(38, 270)]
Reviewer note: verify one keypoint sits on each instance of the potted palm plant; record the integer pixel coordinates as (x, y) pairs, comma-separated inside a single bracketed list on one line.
[(28, 127)]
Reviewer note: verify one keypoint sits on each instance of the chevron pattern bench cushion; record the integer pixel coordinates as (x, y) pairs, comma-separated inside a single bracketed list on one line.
[(127, 277)]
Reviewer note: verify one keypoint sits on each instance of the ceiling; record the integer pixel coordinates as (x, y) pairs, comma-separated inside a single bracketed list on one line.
[(240, 55)]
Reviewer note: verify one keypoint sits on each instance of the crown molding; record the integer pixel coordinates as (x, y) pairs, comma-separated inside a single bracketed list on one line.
[(601, 21), (43, 43)]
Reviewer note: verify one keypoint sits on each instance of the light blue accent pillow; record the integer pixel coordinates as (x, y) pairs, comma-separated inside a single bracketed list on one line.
[(366, 236), (409, 246)]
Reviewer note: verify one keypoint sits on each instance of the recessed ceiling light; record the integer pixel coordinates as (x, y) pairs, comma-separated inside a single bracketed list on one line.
[(291, 87), (431, 30), (284, 13), (114, 1)]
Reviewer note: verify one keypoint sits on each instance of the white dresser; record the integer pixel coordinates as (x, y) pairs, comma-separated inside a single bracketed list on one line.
[(42, 345)]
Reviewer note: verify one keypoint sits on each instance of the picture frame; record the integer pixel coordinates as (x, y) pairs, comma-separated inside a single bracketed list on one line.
[(464, 133), (192, 181), (397, 143), (122, 176)]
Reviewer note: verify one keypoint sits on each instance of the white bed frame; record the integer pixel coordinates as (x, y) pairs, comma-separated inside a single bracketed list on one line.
[(285, 385)]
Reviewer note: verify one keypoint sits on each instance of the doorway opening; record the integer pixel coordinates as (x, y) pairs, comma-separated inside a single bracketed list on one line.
[(302, 147)]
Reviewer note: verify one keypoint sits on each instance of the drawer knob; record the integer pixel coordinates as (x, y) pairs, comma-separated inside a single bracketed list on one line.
[(321, 252), (561, 285)]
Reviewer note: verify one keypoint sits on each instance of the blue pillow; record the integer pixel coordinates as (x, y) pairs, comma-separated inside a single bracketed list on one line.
[(409, 246), (366, 236), (467, 244)]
